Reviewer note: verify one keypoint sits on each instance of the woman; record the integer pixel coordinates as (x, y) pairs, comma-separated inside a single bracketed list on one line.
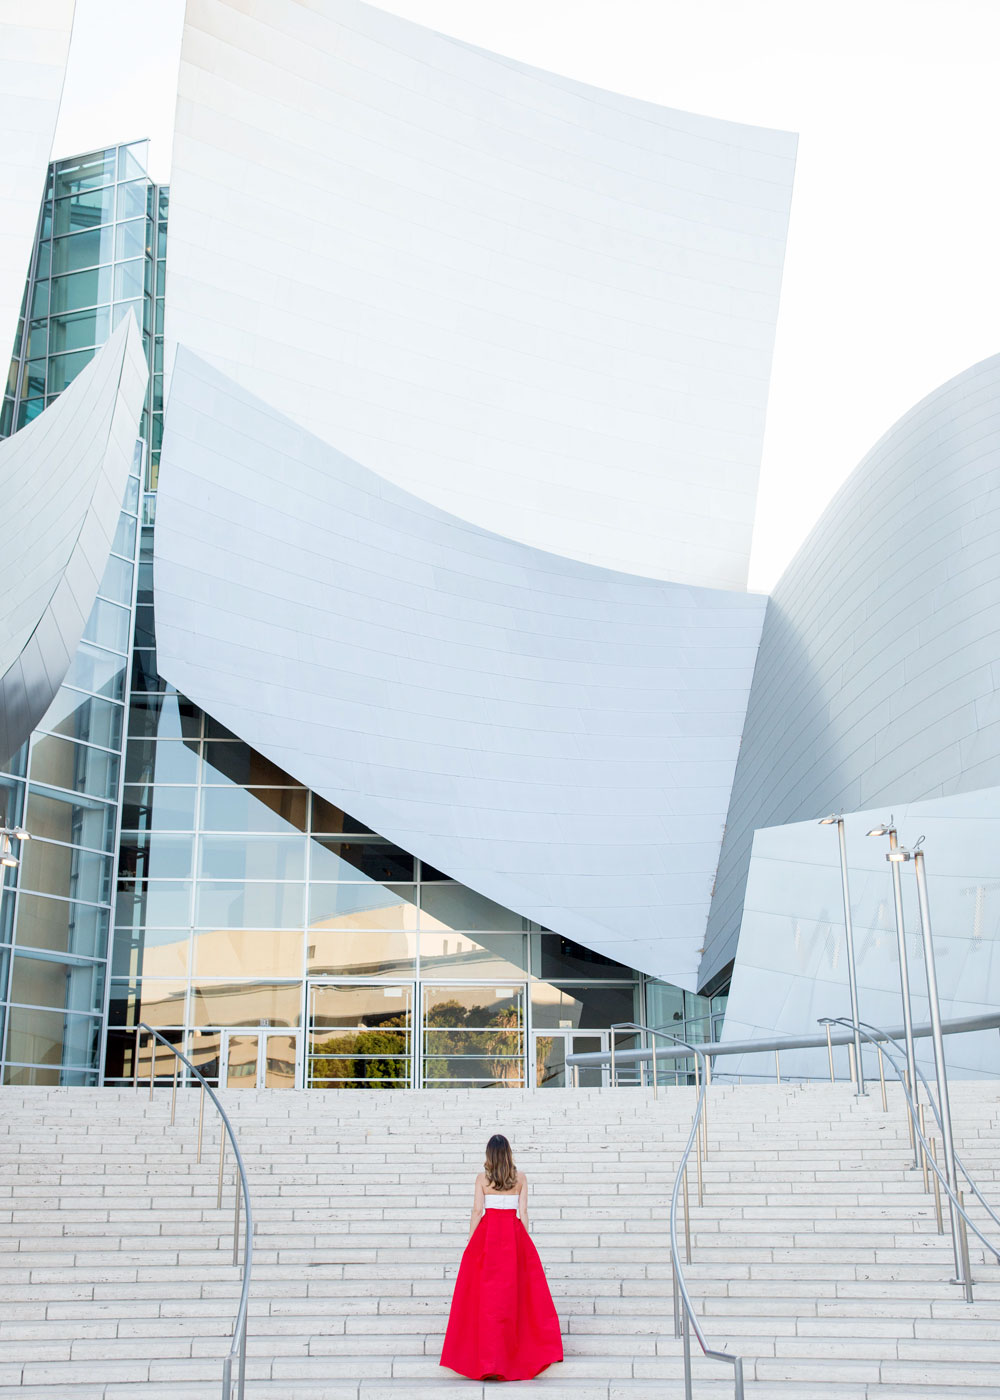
[(503, 1325)]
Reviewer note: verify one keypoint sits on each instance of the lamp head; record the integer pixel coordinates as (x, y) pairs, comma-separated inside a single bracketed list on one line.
[(21, 833), (899, 854), (10, 860), (829, 821), (882, 829)]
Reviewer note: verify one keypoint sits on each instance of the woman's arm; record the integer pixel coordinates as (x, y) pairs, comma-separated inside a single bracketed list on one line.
[(522, 1201), (478, 1206)]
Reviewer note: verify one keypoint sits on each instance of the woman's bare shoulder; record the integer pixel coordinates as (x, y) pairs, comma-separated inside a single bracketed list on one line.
[(522, 1178), (480, 1178)]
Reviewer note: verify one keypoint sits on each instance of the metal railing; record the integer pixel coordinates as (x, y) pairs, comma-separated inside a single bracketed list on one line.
[(963, 1221), (685, 1317), (237, 1355)]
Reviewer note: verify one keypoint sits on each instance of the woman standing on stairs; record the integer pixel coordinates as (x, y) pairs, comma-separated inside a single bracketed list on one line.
[(503, 1325)]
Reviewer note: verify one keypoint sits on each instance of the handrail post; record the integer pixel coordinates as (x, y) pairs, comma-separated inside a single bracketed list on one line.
[(777, 1068), (222, 1158), (829, 1051), (614, 1068), (652, 1046), (966, 1279), (201, 1120), (852, 975), (135, 1061), (904, 981), (677, 1300), (923, 1154), (236, 1220), (937, 1193), (173, 1095), (152, 1065), (687, 1356), (881, 1079), (701, 1194), (738, 1377), (687, 1218)]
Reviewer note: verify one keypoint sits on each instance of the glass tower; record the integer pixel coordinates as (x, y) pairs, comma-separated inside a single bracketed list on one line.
[(180, 879)]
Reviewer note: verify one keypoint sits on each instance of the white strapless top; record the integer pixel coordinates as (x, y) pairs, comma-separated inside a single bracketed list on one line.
[(501, 1202)]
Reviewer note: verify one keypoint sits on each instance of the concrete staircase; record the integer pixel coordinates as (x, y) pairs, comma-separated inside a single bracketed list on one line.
[(815, 1254)]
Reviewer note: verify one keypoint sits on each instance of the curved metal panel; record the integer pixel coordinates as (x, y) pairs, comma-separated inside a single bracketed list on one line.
[(546, 308), (62, 479), (559, 737), (34, 44), (880, 657)]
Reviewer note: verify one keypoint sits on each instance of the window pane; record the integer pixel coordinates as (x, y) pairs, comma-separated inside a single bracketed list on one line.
[(248, 1004), (61, 763), (164, 717), (131, 160), (153, 856), (79, 250), (126, 308), (93, 669), (66, 871), (144, 674), (553, 956), (84, 717), (38, 344), (487, 955), (124, 541), (157, 1003), (129, 280), (161, 761), (363, 907), (252, 857), (354, 860), (85, 172), (80, 820), (40, 298), (257, 809), (333, 952), (238, 763), (153, 904), (361, 1008), (159, 808), (62, 926), (222, 904), (52, 1038), (328, 818), (63, 369), (116, 584), (592, 1007), (235, 953), (33, 382), (460, 1008), (66, 985), (153, 952), (80, 289), (452, 906), (130, 239), (108, 626)]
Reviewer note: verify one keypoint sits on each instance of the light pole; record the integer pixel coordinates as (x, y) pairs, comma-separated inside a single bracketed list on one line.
[(937, 1038), (8, 860), (895, 860), (852, 976)]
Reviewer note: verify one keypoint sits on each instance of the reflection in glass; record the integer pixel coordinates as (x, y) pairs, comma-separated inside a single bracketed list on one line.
[(80, 330), (164, 716), (117, 581), (151, 952), (61, 926), (61, 763), (267, 904), (78, 290), (352, 860), (255, 953), (238, 763), (82, 821), (578, 1005), (157, 1003), (161, 761), (453, 906), (124, 540), (242, 1052), (130, 239), (343, 953), (96, 670), (359, 1036), (108, 624), (152, 856), (153, 903), (88, 718), (328, 818), (257, 809), (553, 956), (47, 868), (148, 808), (279, 1061), (38, 981), (474, 1033), (52, 1038), (84, 172), (84, 249), (252, 857), (486, 955), (363, 906), (77, 213), (247, 1003)]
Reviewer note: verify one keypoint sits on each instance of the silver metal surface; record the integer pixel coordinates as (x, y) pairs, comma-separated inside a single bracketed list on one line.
[(904, 974), (852, 972), (239, 1341)]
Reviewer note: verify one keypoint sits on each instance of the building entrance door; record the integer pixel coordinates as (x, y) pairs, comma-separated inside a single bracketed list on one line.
[(549, 1058), (359, 1035), (258, 1058)]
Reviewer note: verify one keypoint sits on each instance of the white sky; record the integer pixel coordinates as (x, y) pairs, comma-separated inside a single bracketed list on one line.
[(892, 277)]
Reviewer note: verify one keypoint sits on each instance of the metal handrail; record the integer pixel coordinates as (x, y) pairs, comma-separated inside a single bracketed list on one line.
[(690, 1317), (238, 1347), (928, 1154), (884, 1035)]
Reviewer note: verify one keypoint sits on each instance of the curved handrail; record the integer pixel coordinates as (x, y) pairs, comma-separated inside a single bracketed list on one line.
[(885, 1035), (689, 1313), (914, 1116), (238, 1346)]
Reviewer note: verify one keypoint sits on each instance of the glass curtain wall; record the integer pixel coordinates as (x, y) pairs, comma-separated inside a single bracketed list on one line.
[(98, 256)]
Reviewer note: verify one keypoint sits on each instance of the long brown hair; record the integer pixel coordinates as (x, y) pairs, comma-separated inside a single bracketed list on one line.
[(501, 1173)]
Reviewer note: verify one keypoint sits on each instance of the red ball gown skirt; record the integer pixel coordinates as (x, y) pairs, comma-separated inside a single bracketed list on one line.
[(503, 1322)]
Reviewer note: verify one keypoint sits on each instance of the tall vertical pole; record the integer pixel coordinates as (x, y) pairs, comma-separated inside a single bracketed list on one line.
[(852, 976), (940, 1068), (904, 986)]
